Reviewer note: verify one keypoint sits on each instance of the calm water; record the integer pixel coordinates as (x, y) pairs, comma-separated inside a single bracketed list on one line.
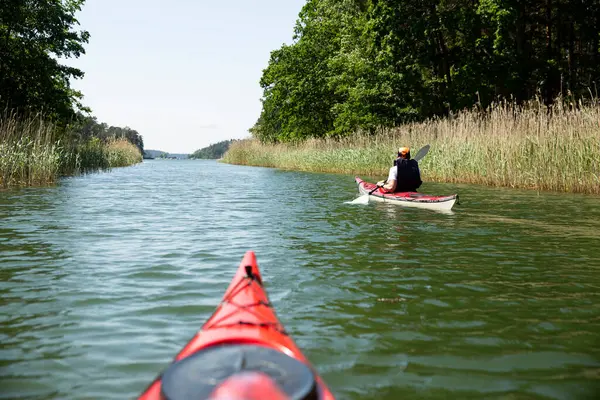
[(105, 277)]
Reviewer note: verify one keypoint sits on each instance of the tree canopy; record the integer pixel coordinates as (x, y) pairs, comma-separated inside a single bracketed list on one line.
[(364, 64), (90, 127), (33, 36)]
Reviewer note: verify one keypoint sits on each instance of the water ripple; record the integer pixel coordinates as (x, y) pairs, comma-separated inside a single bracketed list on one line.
[(107, 275)]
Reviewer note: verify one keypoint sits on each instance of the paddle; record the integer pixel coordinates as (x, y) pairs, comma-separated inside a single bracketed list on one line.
[(364, 199), (421, 153)]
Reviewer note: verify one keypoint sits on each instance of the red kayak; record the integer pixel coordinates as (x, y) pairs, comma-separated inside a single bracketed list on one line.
[(241, 352)]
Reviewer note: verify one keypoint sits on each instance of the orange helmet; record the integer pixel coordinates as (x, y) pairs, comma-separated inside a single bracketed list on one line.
[(404, 152)]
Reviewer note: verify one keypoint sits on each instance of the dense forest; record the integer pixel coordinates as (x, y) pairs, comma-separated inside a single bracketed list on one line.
[(214, 151), (365, 64), (35, 36)]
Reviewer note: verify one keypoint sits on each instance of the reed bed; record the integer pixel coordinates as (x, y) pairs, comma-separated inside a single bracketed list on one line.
[(529, 146), (90, 156), (122, 153), (30, 154)]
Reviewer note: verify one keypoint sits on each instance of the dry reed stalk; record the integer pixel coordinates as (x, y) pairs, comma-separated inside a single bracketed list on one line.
[(528, 146)]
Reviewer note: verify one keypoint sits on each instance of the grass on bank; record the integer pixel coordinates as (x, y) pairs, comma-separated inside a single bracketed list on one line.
[(31, 155), (505, 145), (122, 153)]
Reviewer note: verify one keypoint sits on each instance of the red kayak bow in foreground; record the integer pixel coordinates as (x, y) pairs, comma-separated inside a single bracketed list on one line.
[(242, 352)]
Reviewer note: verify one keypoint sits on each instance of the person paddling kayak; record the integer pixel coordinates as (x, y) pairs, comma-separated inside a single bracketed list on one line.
[(404, 176)]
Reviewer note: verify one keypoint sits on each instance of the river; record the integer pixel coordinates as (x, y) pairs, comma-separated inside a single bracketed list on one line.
[(105, 277)]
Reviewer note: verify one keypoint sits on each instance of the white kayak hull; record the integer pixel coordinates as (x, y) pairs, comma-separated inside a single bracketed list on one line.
[(407, 199)]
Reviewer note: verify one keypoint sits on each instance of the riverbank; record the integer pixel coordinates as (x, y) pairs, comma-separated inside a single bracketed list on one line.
[(518, 147), (31, 153)]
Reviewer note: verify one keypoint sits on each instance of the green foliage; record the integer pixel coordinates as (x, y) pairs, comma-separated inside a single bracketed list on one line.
[(95, 153), (297, 98), (29, 154), (87, 142), (88, 127), (360, 65), (213, 151), (91, 155), (33, 35), (43, 132)]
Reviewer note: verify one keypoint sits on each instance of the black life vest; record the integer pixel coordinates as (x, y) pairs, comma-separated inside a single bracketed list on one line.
[(409, 176)]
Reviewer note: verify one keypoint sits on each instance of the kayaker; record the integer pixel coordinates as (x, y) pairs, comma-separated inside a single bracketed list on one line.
[(404, 176)]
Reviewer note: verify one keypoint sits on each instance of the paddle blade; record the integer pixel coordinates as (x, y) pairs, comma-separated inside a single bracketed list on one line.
[(422, 153), (364, 199)]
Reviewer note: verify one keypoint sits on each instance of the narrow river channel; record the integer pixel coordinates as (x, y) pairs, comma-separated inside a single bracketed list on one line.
[(104, 277)]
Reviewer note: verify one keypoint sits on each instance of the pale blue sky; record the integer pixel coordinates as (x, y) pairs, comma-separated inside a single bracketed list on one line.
[(183, 73)]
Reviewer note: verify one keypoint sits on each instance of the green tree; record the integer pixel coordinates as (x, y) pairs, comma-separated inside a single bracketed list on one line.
[(33, 35), (213, 151), (364, 64), (297, 100), (88, 127)]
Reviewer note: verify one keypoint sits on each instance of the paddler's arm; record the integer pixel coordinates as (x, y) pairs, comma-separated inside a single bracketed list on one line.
[(389, 187)]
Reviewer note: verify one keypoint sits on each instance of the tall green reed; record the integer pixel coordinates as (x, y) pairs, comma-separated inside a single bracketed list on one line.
[(122, 153), (528, 146), (29, 154)]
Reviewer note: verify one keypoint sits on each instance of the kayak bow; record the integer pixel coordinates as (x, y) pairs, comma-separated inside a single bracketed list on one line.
[(408, 199), (243, 334)]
